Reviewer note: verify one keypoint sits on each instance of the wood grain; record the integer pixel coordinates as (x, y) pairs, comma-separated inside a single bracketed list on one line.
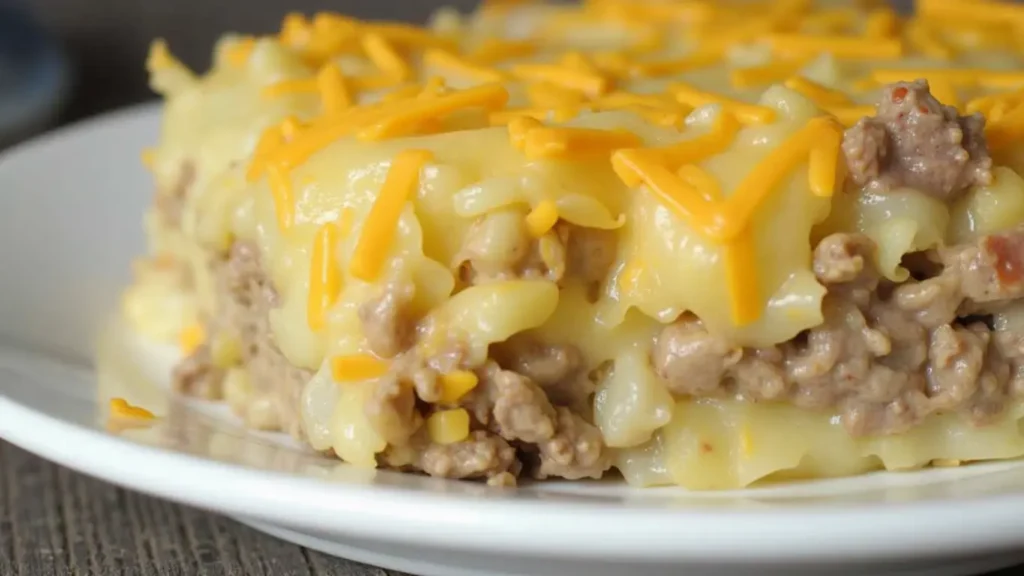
[(55, 522)]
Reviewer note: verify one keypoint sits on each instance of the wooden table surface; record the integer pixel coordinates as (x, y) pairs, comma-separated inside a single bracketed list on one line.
[(55, 522)]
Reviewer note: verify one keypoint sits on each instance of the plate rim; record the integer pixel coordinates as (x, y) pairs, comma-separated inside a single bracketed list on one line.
[(628, 531)]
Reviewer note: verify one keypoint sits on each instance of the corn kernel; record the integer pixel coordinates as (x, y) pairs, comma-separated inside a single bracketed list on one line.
[(225, 350), (457, 384), (191, 338), (542, 218), (448, 426), (357, 367)]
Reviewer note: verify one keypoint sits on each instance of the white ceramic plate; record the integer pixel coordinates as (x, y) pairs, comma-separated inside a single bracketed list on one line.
[(70, 207)]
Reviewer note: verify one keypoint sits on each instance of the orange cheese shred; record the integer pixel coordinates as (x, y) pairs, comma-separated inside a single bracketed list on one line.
[(324, 275), (847, 47), (238, 54), (120, 408), (745, 113), (333, 90), (378, 233), (769, 172), (576, 143), (280, 182), (404, 119), (586, 82), (449, 62), (384, 56)]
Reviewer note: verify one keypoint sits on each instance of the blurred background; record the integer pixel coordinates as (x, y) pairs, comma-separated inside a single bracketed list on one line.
[(105, 41), (95, 60)]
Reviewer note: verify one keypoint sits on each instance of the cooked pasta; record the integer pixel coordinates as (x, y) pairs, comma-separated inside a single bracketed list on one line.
[(700, 243)]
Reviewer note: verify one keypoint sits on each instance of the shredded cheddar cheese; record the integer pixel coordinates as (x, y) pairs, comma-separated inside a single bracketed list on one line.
[(575, 143), (548, 95), (333, 92), (923, 38), (357, 368), (518, 127), (585, 82), (324, 275), (379, 230), (674, 66), (493, 50), (404, 119), (817, 93), (881, 23), (238, 54), (120, 408), (408, 36), (982, 12), (383, 55), (727, 221), (453, 64), (746, 113), (714, 142), (766, 73), (281, 188), (838, 46)]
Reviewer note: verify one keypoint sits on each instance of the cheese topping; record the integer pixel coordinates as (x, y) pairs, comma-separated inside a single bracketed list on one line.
[(120, 408), (575, 143), (324, 275), (379, 228), (746, 113), (334, 92), (454, 64), (728, 220)]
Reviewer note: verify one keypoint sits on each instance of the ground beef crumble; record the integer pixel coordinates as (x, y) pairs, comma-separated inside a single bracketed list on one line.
[(245, 297), (884, 362), (913, 140)]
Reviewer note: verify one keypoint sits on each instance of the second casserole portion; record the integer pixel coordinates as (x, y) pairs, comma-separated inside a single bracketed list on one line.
[(699, 243)]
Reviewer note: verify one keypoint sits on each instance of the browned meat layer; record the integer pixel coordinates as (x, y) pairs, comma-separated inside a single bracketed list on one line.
[(244, 300), (530, 410), (535, 413), (915, 141), (886, 355)]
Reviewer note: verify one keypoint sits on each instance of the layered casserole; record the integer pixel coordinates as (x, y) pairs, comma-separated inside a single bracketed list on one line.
[(688, 242)]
